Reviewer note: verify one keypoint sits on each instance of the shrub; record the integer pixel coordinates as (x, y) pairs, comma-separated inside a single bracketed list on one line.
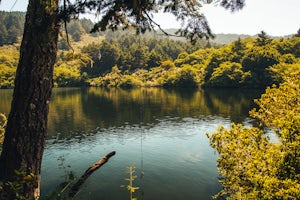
[(252, 166), (129, 81), (3, 121), (7, 76), (228, 74), (64, 77), (182, 77)]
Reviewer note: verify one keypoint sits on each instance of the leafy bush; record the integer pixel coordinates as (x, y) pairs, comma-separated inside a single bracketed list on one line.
[(111, 79), (64, 77), (168, 64), (228, 74), (3, 121), (130, 82), (7, 76), (252, 166), (282, 70), (182, 77), (257, 61), (8, 63)]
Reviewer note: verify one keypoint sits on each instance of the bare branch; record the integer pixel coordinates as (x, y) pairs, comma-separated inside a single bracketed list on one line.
[(75, 188)]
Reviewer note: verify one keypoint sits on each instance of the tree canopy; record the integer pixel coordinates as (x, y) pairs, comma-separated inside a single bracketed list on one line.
[(239, 64)]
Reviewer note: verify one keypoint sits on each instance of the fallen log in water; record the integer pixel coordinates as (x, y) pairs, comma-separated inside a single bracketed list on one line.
[(75, 188)]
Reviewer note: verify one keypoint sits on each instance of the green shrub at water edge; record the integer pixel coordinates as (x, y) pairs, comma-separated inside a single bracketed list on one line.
[(130, 82), (252, 166), (182, 77)]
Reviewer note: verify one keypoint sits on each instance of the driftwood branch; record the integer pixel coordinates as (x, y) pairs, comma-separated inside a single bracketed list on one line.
[(75, 188)]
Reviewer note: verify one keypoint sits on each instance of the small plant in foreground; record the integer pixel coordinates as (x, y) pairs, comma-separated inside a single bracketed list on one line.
[(130, 187)]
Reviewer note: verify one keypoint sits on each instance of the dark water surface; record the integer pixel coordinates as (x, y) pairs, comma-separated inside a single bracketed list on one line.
[(162, 132)]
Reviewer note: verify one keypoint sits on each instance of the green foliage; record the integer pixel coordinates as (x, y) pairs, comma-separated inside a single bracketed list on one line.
[(240, 64), (252, 166), (263, 39), (130, 187), (228, 74), (257, 60), (282, 70), (131, 53), (7, 76), (288, 58), (65, 77), (291, 45), (111, 79), (157, 61), (110, 55), (298, 33), (238, 48), (3, 122), (280, 110), (68, 69), (182, 77), (116, 79), (216, 58), (12, 190), (130, 82), (11, 27), (199, 57), (8, 62), (168, 64)]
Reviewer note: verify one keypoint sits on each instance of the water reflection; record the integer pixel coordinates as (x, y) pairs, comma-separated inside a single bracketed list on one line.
[(93, 108), (88, 108), (5, 100), (163, 129)]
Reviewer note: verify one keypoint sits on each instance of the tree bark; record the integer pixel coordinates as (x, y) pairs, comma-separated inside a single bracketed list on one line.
[(27, 122)]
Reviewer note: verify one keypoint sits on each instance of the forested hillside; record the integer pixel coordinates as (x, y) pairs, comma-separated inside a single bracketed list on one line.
[(12, 24), (123, 59)]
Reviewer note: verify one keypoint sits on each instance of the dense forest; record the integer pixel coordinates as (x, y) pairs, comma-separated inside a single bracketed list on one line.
[(122, 59)]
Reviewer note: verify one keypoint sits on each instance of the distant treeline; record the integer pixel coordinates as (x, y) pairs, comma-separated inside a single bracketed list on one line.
[(11, 27)]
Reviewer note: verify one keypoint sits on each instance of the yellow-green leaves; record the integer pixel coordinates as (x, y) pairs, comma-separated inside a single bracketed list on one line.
[(8, 63), (3, 121), (130, 187), (253, 167), (279, 108)]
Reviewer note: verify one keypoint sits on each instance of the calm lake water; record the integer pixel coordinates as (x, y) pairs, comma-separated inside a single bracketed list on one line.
[(162, 132)]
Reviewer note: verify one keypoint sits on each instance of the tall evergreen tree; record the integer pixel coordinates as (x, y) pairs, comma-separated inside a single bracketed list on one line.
[(263, 39)]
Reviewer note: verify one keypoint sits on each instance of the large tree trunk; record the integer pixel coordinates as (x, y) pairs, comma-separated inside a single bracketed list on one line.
[(27, 122)]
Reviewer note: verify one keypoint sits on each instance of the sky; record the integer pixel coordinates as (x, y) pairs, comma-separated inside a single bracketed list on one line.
[(275, 17)]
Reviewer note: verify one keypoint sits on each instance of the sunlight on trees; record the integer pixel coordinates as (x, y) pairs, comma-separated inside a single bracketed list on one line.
[(3, 122), (252, 166)]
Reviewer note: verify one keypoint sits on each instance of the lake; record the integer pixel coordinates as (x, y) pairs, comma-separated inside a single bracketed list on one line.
[(162, 132)]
